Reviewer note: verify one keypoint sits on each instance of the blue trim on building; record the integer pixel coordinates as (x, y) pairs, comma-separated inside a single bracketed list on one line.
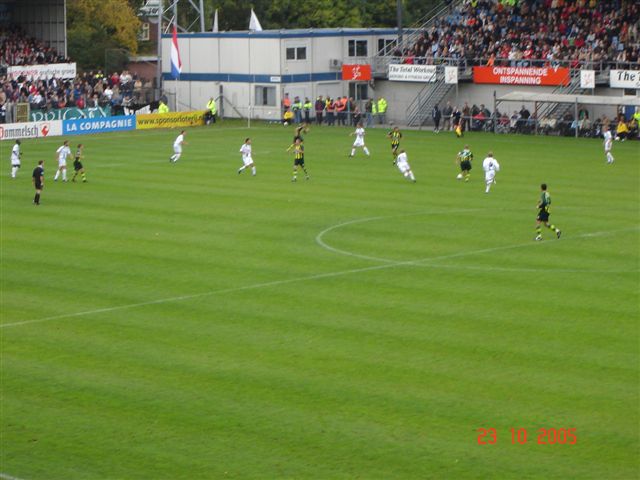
[(290, 33), (244, 78)]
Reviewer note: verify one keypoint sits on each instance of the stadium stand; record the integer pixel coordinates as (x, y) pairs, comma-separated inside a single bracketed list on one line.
[(531, 33)]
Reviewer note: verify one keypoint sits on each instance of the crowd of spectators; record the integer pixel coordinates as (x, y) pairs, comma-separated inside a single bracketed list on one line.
[(531, 33), (17, 48)]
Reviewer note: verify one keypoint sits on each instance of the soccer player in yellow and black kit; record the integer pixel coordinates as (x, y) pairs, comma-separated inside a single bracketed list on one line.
[(464, 159), (77, 165), (298, 162), (543, 213), (395, 135)]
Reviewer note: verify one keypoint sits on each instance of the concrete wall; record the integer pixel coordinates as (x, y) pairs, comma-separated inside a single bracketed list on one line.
[(44, 20)]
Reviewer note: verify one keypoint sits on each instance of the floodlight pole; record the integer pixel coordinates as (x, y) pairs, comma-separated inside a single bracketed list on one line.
[(399, 21), (159, 65)]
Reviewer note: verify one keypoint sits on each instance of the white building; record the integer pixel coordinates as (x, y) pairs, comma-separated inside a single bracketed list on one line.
[(257, 68)]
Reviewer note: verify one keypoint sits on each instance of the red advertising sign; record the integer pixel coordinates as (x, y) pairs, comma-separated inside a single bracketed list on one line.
[(522, 75), (356, 73)]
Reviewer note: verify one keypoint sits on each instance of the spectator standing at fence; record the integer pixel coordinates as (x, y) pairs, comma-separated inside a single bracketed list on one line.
[(331, 108), (213, 109), (368, 110), (286, 104), (446, 113), (466, 117), (307, 106), (162, 107), (382, 110), (341, 106), (296, 107), (436, 115), (319, 107)]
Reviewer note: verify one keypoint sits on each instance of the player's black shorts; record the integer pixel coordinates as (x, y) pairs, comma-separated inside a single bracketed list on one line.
[(395, 145), (77, 165), (298, 162), (38, 185), (543, 216), (465, 165), (17, 165)]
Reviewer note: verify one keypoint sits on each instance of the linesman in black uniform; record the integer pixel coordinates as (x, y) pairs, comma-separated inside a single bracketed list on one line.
[(38, 181)]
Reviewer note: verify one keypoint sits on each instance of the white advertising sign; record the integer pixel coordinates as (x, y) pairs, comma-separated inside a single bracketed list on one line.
[(14, 131), (451, 75), (39, 72), (412, 73), (587, 79), (624, 79)]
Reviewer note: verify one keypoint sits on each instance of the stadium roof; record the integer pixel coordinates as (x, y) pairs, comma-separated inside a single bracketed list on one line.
[(569, 98)]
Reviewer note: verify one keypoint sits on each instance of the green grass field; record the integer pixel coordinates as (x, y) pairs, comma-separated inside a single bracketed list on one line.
[(185, 322)]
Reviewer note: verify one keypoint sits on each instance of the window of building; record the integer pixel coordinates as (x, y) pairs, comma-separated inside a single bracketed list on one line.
[(357, 48), (143, 34), (359, 91), (265, 96), (296, 53), (385, 46)]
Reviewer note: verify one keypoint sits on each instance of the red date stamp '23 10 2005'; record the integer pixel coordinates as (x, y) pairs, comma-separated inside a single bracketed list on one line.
[(520, 436)]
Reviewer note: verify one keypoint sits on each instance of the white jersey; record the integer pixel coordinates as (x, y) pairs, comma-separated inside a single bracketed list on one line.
[(63, 152), (490, 164), (15, 155), (402, 162), (178, 142), (245, 150), (359, 142), (607, 140)]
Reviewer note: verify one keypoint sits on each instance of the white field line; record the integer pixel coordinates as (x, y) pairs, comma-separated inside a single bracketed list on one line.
[(5, 476), (419, 262)]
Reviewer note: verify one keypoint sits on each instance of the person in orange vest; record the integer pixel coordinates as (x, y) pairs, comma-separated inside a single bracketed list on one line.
[(340, 108), (286, 104), (331, 108)]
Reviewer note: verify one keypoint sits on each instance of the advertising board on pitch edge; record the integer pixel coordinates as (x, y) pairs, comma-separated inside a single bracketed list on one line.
[(84, 126), (14, 131)]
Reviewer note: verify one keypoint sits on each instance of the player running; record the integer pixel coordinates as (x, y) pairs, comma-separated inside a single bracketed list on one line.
[(16, 155), (298, 162), (543, 214), (402, 162), (78, 168), (395, 135), (177, 147), (359, 141), (490, 166), (247, 159), (61, 154), (464, 159), (608, 143)]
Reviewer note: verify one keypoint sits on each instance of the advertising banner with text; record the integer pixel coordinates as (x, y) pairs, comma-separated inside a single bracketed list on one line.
[(412, 73), (84, 126), (169, 120), (41, 72), (541, 76), (69, 113), (624, 79), (14, 131), (356, 73)]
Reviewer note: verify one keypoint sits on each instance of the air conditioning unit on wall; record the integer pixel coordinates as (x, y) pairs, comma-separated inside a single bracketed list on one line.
[(335, 63)]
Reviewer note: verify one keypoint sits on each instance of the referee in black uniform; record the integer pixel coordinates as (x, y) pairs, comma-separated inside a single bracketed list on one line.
[(38, 181)]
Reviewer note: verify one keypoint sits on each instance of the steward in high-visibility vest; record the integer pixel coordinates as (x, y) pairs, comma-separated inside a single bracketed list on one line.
[(213, 110), (162, 107), (382, 109), (307, 106)]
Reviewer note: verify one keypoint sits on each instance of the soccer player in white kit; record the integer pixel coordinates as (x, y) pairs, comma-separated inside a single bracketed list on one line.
[(608, 143), (402, 162), (61, 154), (15, 159), (490, 166), (247, 159), (177, 147), (359, 142)]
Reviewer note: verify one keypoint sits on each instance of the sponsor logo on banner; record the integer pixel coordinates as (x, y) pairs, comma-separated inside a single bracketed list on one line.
[(451, 75), (40, 72), (522, 75), (168, 120), (85, 126), (587, 79), (412, 73), (624, 79), (69, 113), (14, 131), (356, 73)]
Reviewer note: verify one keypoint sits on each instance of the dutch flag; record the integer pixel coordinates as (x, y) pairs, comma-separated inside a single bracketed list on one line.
[(176, 64)]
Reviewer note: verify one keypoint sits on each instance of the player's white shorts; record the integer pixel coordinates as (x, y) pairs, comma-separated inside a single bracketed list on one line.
[(15, 163), (247, 160), (403, 167), (177, 149), (359, 142), (607, 147), (62, 163), (489, 176)]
